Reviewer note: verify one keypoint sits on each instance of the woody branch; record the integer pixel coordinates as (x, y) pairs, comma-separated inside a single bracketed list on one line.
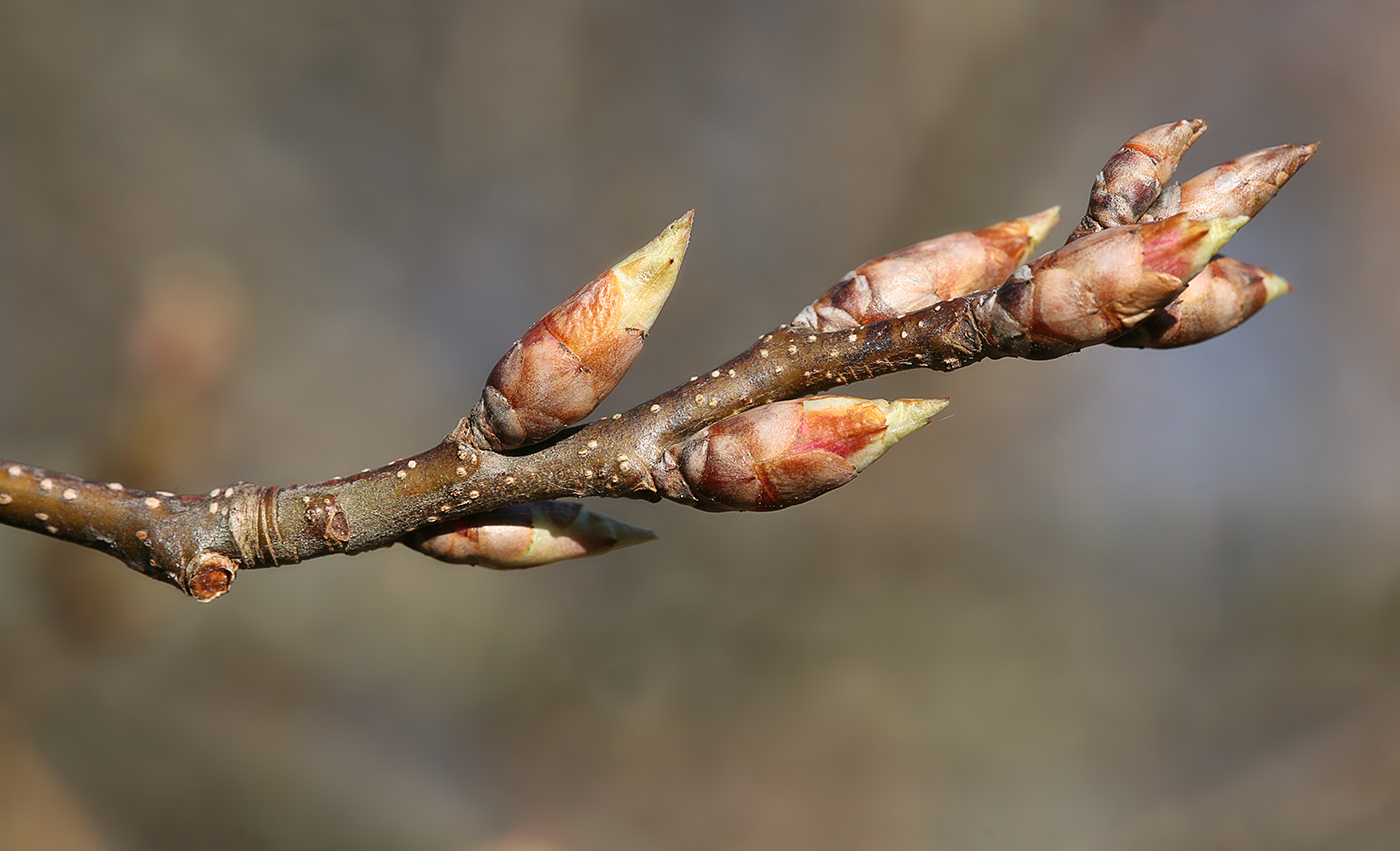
[(1141, 269)]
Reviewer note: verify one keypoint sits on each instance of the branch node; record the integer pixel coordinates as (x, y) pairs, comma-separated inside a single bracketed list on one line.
[(329, 522), (467, 442), (255, 524)]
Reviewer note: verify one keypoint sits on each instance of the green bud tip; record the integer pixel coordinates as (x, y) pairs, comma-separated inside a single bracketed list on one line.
[(1274, 286), (1042, 223), (647, 275), (902, 418), (1222, 229), (906, 416)]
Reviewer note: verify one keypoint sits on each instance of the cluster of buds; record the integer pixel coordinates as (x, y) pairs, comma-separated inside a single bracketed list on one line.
[(1133, 188), (785, 453), (1096, 288), (1140, 270), (558, 372), (525, 536), (928, 272), (1139, 260)]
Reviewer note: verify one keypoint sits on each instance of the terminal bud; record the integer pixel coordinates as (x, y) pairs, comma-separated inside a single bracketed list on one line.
[(1133, 177), (1239, 187)]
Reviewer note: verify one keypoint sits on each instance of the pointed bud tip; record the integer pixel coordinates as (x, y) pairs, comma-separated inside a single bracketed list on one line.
[(629, 535), (906, 416), (566, 530), (1042, 223), (1275, 286), (647, 276), (666, 250), (1196, 126), (1223, 229), (1173, 139)]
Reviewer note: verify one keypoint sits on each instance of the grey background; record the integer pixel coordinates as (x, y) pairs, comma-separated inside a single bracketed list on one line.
[(1121, 600)]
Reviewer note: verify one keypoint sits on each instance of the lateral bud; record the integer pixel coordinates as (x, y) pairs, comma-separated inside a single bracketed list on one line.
[(788, 452), (1133, 177), (558, 372), (1239, 187), (525, 535), (1221, 297), (1096, 288), (928, 272)]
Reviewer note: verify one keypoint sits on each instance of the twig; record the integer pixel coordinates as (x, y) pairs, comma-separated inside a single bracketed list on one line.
[(732, 438)]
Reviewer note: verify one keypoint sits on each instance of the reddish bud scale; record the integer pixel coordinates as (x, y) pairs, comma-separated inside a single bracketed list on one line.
[(841, 432), (1225, 294), (569, 361), (525, 536), (1178, 247), (928, 272), (1095, 288), (1240, 187), (543, 384), (785, 453), (1133, 177)]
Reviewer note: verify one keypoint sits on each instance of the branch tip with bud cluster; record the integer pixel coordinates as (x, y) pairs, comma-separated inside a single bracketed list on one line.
[(1140, 270)]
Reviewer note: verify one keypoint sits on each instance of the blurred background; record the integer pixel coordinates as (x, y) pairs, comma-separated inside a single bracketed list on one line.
[(1124, 600)]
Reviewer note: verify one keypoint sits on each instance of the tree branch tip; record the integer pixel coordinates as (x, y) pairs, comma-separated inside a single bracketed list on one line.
[(749, 435)]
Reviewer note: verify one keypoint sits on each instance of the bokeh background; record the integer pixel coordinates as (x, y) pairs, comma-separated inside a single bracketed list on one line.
[(1124, 600)]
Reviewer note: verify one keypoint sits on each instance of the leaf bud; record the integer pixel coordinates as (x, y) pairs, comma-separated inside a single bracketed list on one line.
[(525, 535), (1133, 177), (1239, 187), (1095, 288), (564, 366), (928, 272), (1221, 297), (784, 453)]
